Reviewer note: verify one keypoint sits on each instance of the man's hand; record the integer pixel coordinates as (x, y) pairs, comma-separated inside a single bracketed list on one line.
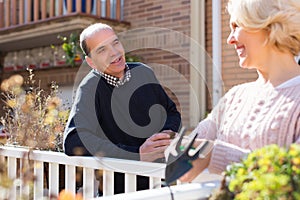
[(153, 148)]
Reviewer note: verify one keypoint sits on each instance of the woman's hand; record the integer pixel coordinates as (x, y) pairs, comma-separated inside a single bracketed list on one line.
[(199, 164)]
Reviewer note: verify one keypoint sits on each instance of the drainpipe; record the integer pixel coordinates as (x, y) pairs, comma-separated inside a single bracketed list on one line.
[(216, 51)]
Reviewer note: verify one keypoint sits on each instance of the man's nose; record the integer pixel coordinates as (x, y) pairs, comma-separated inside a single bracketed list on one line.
[(113, 50)]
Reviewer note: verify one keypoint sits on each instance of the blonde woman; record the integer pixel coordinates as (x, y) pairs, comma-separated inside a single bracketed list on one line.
[(266, 37)]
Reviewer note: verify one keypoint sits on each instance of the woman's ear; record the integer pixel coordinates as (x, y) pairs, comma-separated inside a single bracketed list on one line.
[(90, 62)]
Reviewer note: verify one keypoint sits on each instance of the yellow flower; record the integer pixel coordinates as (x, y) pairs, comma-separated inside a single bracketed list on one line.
[(54, 102), (29, 99), (296, 161), (12, 103)]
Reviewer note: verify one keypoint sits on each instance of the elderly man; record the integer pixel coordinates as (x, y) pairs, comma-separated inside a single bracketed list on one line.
[(120, 109)]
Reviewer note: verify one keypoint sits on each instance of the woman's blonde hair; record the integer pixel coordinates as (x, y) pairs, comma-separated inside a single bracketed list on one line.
[(281, 18)]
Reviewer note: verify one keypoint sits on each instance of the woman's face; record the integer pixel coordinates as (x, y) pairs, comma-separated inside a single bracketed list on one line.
[(249, 45), (107, 53)]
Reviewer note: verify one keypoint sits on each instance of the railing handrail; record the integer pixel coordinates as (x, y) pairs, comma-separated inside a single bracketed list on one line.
[(105, 163)]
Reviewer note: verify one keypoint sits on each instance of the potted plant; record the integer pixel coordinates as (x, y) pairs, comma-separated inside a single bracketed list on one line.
[(271, 172), (70, 45)]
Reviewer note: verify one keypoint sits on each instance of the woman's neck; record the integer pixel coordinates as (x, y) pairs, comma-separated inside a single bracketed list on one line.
[(279, 70)]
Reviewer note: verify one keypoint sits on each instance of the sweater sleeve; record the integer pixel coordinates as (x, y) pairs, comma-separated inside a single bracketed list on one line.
[(224, 154)]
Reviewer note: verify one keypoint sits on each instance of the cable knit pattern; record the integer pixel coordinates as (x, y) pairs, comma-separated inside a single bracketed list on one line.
[(250, 116)]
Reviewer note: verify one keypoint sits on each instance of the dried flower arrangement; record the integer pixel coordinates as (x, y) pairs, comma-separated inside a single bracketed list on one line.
[(271, 172), (33, 117)]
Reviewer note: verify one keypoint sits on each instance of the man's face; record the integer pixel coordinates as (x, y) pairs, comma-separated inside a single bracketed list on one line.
[(107, 53)]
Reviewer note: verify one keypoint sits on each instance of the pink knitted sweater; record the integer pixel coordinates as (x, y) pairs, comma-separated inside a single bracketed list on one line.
[(250, 116)]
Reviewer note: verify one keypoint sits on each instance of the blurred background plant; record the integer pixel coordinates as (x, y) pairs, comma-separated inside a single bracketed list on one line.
[(33, 117), (271, 172), (70, 45)]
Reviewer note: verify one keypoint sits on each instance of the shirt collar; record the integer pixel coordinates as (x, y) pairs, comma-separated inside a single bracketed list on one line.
[(115, 81)]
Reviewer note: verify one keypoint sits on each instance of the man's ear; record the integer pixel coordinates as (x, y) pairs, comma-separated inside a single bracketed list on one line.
[(90, 62)]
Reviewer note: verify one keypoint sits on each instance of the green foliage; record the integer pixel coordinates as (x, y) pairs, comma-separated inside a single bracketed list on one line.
[(267, 173), (71, 48)]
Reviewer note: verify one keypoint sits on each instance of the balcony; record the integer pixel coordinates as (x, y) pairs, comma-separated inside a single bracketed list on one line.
[(27, 24)]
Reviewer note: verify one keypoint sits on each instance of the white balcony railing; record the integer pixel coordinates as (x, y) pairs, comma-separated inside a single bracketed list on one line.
[(48, 182), (15, 159)]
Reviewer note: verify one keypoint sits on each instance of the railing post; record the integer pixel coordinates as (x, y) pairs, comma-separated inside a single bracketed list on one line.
[(14, 12), (44, 9), (108, 182), (52, 9), (118, 10), (39, 182), (53, 179), (12, 174), (88, 4), (130, 183), (28, 12), (7, 13), (98, 8), (154, 182), (69, 6), (107, 9), (60, 7), (78, 6), (70, 183), (88, 182), (21, 11)]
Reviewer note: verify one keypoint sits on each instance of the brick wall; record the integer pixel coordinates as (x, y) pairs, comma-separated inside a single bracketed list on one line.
[(232, 74), (160, 36)]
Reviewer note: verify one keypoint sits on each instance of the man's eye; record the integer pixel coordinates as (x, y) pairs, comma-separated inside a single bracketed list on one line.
[(100, 51), (116, 42)]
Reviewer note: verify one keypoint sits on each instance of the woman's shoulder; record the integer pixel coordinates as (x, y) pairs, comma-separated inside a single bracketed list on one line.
[(242, 87)]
